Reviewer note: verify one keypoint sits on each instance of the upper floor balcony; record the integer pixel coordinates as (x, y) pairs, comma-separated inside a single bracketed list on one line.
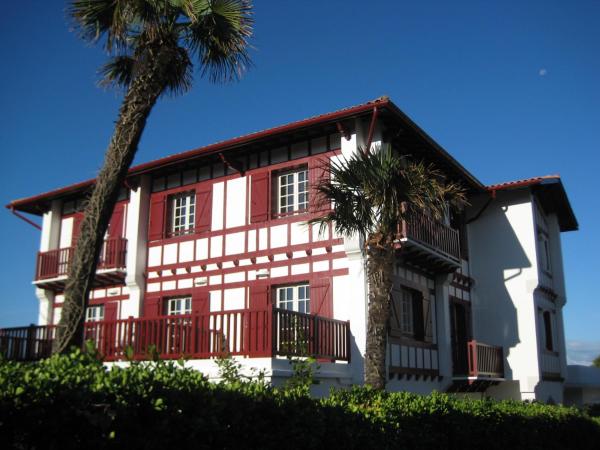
[(428, 242), (53, 266), (268, 332)]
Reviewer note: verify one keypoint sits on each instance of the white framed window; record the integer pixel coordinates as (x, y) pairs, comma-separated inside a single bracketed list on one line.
[(294, 298), (178, 305), (292, 191), (94, 313), (406, 314), (182, 212)]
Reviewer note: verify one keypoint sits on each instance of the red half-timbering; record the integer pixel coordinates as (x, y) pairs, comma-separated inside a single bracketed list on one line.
[(199, 263)]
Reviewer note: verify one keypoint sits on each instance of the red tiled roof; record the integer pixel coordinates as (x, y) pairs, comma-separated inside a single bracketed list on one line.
[(521, 183), (552, 195)]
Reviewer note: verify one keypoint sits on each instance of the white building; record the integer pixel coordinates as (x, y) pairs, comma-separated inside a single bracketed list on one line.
[(208, 250)]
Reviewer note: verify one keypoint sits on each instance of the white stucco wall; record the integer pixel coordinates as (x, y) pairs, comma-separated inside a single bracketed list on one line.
[(502, 243)]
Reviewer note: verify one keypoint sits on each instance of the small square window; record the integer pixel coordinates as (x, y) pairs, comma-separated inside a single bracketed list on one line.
[(294, 298), (175, 306), (182, 213), (292, 191), (94, 313)]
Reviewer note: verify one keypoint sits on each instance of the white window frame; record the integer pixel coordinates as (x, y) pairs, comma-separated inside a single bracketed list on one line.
[(94, 313), (297, 200), (293, 298), (177, 306), (182, 210)]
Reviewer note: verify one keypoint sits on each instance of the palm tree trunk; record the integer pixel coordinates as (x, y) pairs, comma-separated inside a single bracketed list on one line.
[(380, 268), (137, 104)]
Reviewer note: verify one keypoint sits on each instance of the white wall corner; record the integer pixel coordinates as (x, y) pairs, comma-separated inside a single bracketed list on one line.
[(46, 300), (137, 240)]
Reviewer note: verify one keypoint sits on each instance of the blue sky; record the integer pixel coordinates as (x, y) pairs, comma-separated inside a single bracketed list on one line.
[(510, 88)]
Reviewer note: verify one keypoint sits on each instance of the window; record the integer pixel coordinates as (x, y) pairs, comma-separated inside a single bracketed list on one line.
[(182, 213), (292, 191), (294, 298), (94, 313), (411, 315), (548, 339), (178, 305), (406, 313)]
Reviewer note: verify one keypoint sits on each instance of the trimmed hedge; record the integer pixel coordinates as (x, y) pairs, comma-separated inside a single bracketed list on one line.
[(75, 402)]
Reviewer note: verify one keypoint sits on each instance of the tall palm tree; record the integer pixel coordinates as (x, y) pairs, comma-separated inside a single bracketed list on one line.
[(152, 45), (370, 192)]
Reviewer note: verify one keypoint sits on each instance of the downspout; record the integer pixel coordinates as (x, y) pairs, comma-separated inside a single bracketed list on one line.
[(371, 129), (22, 217)]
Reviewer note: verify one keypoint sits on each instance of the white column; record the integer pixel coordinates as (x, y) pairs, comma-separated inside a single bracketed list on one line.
[(48, 241), (137, 239)]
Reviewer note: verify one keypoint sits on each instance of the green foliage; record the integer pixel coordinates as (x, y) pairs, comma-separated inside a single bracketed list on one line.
[(74, 401), (303, 378), (596, 361)]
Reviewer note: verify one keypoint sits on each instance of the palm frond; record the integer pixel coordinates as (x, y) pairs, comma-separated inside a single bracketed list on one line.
[(218, 35), (118, 72), (371, 190)]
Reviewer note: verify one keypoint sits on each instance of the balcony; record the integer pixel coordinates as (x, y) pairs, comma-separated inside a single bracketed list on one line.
[(429, 243), (252, 333), (476, 366), (53, 266)]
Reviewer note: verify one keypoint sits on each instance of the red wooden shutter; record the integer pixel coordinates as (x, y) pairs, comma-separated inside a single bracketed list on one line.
[(321, 301), (153, 306), (156, 228), (259, 297), (259, 197), (318, 172), (256, 322), (77, 219), (200, 301), (203, 208), (115, 227), (111, 311)]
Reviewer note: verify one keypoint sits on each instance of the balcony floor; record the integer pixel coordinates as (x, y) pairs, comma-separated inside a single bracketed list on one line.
[(104, 277)]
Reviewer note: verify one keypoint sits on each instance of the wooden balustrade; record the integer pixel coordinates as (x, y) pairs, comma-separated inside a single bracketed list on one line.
[(253, 333), (485, 360), (26, 343), (431, 233), (298, 334), (55, 263)]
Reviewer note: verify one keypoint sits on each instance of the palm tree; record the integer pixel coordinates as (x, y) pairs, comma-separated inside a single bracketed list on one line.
[(370, 192), (151, 44)]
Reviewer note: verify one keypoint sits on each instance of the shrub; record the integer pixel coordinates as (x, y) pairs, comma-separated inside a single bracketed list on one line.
[(74, 401)]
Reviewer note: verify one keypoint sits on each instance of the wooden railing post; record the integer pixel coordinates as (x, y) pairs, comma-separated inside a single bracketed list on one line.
[(30, 343), (348, 342), (473, 363), (317, 344), (272, 330)]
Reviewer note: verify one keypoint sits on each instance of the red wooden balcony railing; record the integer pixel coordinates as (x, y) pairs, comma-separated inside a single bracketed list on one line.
[(479, 360), (55, 263), (431, 233), (252, 333), (26, 343)]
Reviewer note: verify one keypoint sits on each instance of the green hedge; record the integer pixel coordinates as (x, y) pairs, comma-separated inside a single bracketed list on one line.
[(75, 402)]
